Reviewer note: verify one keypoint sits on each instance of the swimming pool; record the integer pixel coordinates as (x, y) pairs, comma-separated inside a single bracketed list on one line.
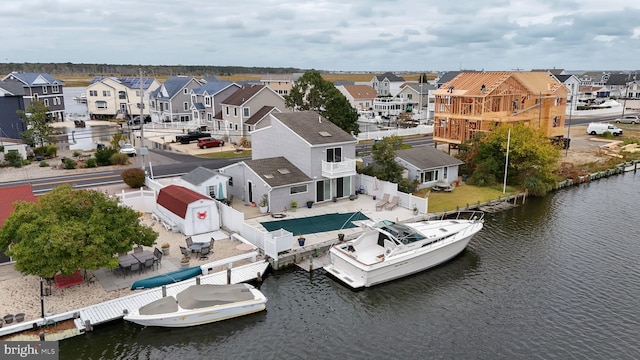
[(316, 224)]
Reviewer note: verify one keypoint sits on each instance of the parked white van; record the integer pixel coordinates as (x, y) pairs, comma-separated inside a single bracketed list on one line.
[(601, 128)]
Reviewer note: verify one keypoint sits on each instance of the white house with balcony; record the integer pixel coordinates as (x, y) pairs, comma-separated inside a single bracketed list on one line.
[(316, 165)]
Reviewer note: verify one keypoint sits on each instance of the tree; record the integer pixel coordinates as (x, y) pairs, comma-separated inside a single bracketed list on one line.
[(39, 130), (532, 158), (312, 92), (68, 229), (384, 156)]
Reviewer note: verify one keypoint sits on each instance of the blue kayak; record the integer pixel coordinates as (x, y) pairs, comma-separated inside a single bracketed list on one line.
[(168, 278)]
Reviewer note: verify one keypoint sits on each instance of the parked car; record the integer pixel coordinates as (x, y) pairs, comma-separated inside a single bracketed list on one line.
[(128, 149), (190, 136), (601, 128), (208, 142), (628, 119)]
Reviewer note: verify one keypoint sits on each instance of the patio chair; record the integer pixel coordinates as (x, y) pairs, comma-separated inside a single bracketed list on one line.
[(393, 203), (204, 253), (137, 249), (185, 252), (383, 202), (158, 257), (189, 242), (133, 267), (148, 263)]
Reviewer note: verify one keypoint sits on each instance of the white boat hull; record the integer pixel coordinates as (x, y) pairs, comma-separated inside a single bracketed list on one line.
[(347, 269)]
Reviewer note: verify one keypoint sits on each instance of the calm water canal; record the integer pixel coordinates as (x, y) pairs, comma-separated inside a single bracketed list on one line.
[(556, 278)]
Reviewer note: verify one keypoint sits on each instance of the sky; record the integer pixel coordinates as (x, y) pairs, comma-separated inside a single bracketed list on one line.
[(332, 35)]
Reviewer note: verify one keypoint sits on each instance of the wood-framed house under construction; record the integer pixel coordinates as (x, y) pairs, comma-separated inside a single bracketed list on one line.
[(479, 101)]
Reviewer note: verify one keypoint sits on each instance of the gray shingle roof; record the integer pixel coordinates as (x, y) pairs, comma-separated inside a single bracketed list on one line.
[(259, 115), (199, 175), (243, 95), (391, 76), (619, 79), (29, 78), (173, 85), (314, 128), (12, 87), (427, 157), (212, 87), (277, 171)]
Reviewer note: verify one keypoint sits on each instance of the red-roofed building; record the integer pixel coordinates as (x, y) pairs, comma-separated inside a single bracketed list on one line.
[(9, 196), (191, 212)]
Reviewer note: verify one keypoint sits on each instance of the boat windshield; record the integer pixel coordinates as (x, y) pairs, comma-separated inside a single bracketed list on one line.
[(402, 233)]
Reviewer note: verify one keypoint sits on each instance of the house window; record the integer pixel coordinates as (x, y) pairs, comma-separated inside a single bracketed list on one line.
[(245, 112), (44, 89), (211, 190), (409, 96), (55, 89), (185, 106), (106, 92), (249, 128), (236, 127), (137, 93), (207, 101), (93, 92), (101, 104), (209, 117), (444, 172), (185, 91), (334, 155), (46, 102), (122, 95), (230, 180), (230, 126), (235, 112), (298, 189), (184, 118)]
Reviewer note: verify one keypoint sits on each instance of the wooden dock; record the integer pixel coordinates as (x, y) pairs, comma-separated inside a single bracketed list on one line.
[(115, 309)]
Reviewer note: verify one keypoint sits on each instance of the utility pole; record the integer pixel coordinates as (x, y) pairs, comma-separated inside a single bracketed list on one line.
[(143, 150)]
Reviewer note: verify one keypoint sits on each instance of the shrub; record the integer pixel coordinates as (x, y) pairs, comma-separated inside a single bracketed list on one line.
[(133, 177), (103, 156), (70, 164), (119, 159), (13, 158), (44, 164), (92, 162), (76, 153)]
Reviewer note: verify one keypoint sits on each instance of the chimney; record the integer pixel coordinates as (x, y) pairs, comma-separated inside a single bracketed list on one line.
[(319, 119)]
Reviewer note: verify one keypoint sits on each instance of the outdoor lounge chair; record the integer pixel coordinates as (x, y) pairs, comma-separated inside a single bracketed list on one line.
[(393, 203), (384, 201), (204, 253)]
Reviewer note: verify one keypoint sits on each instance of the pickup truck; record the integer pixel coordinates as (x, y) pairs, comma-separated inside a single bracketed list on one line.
[(191, 136)]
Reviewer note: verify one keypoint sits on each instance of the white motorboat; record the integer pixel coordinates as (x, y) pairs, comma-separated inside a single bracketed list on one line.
[(367, 116), (387, 250), (200, 304)]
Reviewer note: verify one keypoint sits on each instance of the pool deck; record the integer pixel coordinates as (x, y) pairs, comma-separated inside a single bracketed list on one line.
[(364, 203)]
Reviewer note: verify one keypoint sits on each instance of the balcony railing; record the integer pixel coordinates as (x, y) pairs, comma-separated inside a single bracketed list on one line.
[(333, 170)]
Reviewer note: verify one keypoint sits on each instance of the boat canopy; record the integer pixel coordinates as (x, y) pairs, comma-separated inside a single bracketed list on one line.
[(165, 305), (401, 232), (202, 296)]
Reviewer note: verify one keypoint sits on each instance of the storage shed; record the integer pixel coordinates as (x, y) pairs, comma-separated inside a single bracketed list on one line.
[(191, 212)]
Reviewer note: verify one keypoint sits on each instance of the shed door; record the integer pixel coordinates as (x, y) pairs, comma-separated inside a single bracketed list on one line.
[(201, 219)]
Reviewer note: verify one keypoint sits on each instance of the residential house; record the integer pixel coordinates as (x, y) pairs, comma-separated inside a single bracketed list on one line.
[(281, 84), (11, 100), (206, 182), (359, 96), (42, 87), (9, 196), (428, 165), (594, 78), (592, 94), (242, 105), (387, 84), (318, 163), (618, 84), (171, 102), (572, 83), (419, 97), (109, 97), (479, 101), (446, 77), (206, 103), (8, 145)]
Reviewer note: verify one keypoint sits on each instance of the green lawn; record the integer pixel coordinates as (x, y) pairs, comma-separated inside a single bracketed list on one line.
[(463, 195)]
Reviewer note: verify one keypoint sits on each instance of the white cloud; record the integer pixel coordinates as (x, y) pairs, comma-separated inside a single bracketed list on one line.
[(326, 34)]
